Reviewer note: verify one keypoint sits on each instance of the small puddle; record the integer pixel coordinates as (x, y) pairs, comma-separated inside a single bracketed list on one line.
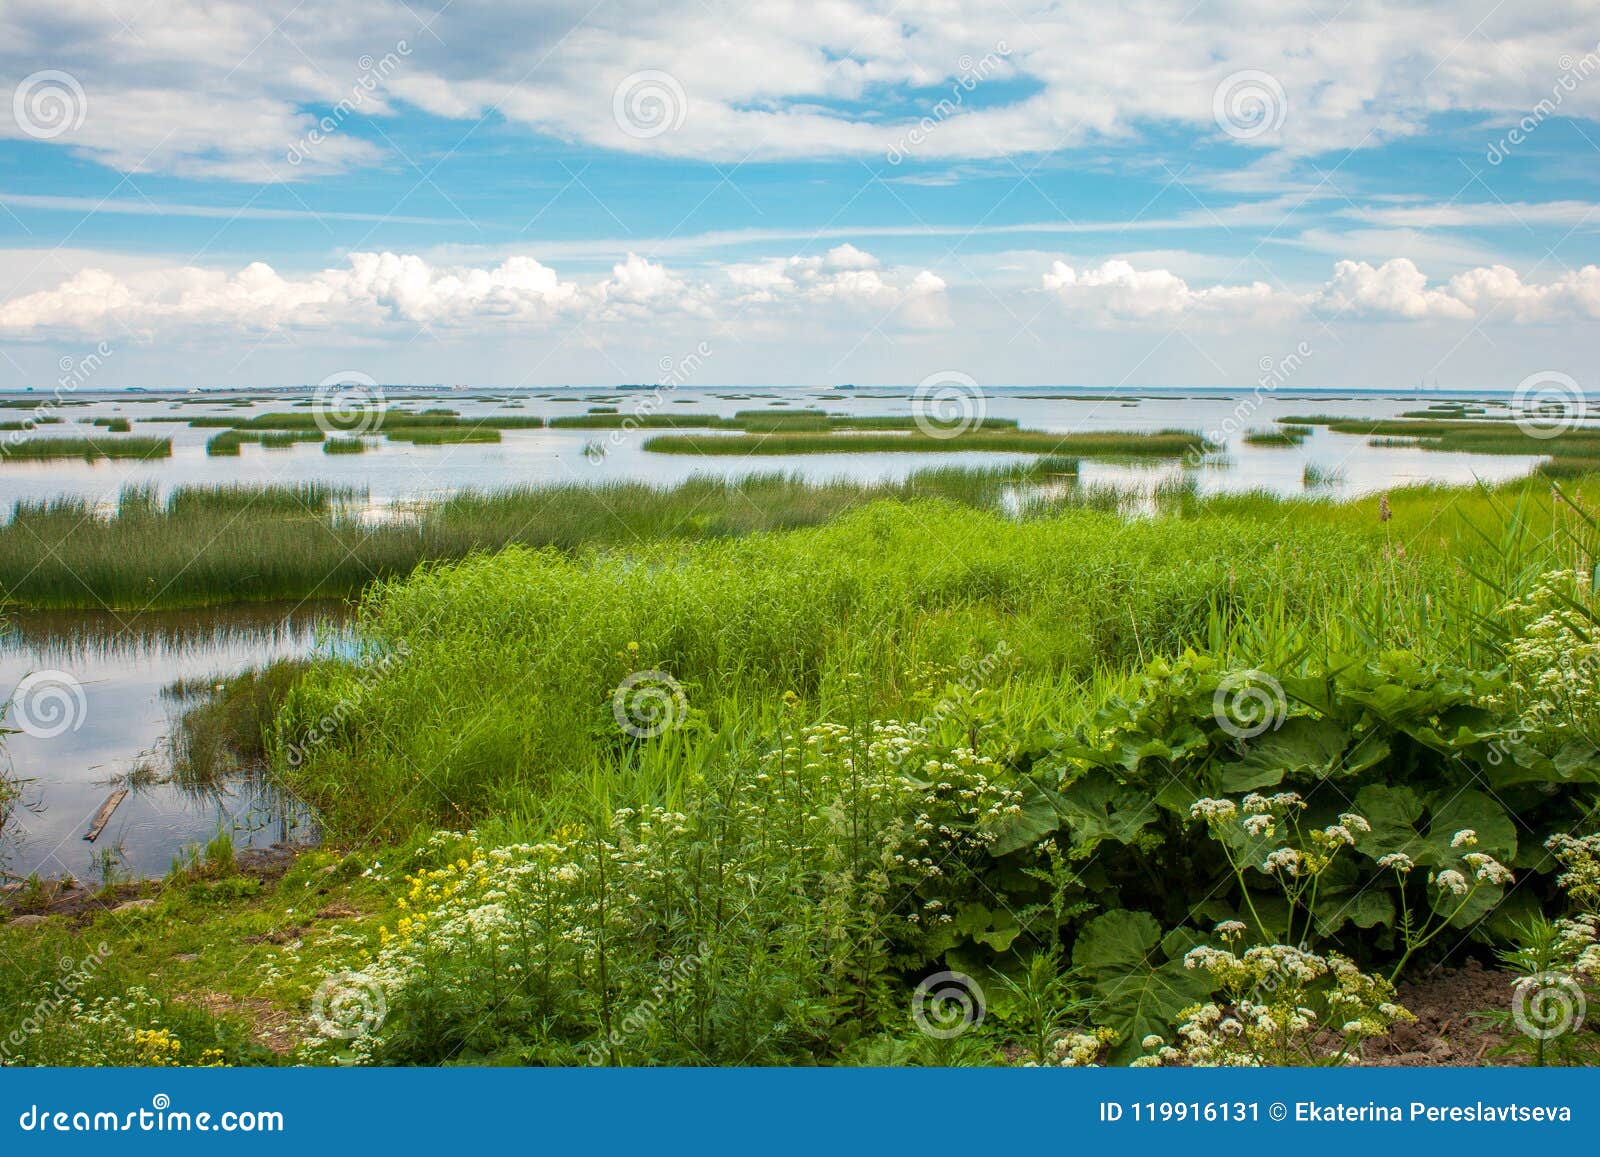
[(94, 699)]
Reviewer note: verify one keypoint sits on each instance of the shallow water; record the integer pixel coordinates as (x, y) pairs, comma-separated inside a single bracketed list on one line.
[(400, 472), (91, 705)]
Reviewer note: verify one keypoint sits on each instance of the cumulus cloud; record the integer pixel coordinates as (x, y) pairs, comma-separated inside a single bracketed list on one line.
[(1117, 291), (375, 290), (1396, 290), (229, 87), (844, 276)]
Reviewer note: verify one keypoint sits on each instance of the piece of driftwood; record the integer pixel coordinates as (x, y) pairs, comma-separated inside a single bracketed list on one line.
[(103, 816)]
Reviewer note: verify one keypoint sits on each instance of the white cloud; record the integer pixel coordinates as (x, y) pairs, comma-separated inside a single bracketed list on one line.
[(229, 87), (1396, 290), (1116, 291), (378, 290)]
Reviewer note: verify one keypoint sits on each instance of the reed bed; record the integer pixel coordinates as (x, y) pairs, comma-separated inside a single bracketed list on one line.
[(212, 545), (89, 449), (1160, 444)]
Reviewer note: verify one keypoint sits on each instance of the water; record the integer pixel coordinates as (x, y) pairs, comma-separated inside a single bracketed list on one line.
[(73, 747), (396, 472), (125, 664)]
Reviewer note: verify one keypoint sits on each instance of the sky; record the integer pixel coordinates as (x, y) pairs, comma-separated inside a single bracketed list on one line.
[(532, 194)]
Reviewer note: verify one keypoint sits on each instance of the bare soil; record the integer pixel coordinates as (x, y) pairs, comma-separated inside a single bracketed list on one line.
[(1448, 1030)]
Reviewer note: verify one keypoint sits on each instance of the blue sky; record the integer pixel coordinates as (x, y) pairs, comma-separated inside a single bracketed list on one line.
[(1159, 194)]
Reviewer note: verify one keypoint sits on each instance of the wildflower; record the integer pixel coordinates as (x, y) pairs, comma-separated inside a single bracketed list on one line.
[(1451, 881), (1465, 838), (1399, 861), (1230, 929), (1338, 834), (1354, 822), (1259, 825), (1285, 860), (1488, 869), (1213, 809)]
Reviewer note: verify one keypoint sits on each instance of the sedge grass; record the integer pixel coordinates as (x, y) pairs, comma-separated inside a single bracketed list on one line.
[(89, 449), (1160, 444)]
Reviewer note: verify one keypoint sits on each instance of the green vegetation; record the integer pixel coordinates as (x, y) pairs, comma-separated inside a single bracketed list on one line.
[(1572, 446), (1160, 444), (1087, 761), (284, 439), (89, 449), (759, 758), (344, 446), (1289, 436), (212, 545)]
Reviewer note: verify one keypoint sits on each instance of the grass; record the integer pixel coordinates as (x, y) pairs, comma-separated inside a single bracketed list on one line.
[(211, 545), (89, 449), (344, 446), (1053, 668), (284, 439), (1160, 444), (441, 435), (1290, 436), (1481, 436)]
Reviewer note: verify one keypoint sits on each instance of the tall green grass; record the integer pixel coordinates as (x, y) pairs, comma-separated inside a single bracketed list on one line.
[(1111, 443), (89, 449), (217, 545), (842, 615)]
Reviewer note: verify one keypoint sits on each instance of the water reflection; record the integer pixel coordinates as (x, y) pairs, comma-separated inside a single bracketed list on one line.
[(127, 680)]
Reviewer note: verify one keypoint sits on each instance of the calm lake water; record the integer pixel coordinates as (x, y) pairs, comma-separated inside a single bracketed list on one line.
[(99, 709), (119, 668), (400, 472)]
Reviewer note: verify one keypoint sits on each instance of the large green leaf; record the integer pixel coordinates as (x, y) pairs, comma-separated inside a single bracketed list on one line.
[(1037, 820), (1304, 745), (1097, 807), (1140, 990)]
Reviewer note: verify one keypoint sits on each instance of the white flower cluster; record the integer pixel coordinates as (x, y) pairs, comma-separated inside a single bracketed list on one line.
[(1280, 1005), (1554, 658), (849, 816), (1580, 860)]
